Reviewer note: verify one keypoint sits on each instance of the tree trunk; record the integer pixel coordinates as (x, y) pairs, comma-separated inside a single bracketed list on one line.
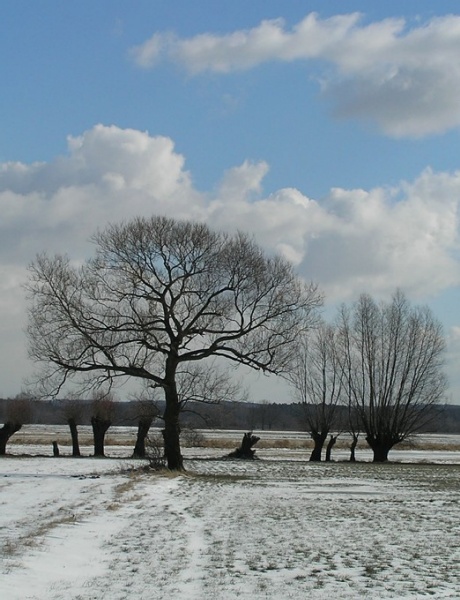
[(55, 449), (380, 447), (142, 431), (353, 445), (100, 427), (74, 434), (6, 432), (330, 445), (171, 431), (318, 439), (380, 453)]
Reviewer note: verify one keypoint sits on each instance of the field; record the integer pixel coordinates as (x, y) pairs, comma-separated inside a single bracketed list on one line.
[(278, 527)]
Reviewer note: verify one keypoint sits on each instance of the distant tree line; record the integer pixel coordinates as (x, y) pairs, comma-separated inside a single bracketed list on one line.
[(244, 416), (224, 415)]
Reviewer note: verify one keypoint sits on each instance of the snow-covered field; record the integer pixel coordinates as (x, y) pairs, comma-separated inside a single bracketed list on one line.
[(276, 528)]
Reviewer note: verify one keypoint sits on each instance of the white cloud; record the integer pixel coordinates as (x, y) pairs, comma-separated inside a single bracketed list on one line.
[(378, 243), (240, 182), (246, 49), (108, 174), (150, 52), (357, 240), (349, 241), (405, 79), (452, 362)]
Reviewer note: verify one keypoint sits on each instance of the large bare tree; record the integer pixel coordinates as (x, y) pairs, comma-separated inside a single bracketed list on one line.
[(318, 381), (160, 293), (392, 354)]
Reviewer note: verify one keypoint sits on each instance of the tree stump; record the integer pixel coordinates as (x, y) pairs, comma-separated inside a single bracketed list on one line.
[(55, 449), (245, 451)]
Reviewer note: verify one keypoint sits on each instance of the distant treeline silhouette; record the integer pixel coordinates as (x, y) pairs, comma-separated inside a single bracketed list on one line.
[(225, 415)]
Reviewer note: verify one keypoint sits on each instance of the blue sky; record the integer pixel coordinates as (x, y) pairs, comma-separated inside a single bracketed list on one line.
[(328, 129)]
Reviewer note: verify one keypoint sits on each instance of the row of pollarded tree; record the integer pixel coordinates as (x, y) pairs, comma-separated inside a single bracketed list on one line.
[(381, 361), (102, 409), (162, 296), (102, 419)]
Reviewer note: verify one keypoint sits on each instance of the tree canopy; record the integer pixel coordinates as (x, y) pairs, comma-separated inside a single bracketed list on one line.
[(318, 380), (392, 355), (159, 293)]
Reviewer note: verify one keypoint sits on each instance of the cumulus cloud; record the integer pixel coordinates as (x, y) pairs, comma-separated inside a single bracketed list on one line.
[(375, 239), (242, 181), (109, 174), (406, 79), (452, 362), (350, 241), (245, 49), (356, 240)]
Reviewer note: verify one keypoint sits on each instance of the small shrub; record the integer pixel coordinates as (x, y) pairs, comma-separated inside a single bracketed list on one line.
[(193, 438), (155, 453)]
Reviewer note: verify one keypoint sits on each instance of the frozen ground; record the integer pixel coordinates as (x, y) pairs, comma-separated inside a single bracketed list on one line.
[(274, 528)]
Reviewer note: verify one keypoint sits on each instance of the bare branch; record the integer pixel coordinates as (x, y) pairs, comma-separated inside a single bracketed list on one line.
[(392, 355), (158, 296)]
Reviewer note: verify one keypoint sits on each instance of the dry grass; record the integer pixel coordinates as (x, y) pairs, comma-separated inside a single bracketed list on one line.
[(33, 538), (424, 444)]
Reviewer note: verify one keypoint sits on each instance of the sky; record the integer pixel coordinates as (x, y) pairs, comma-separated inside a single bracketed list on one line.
[(327, 129)]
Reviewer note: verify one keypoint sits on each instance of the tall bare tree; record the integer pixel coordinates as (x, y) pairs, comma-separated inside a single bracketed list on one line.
[(160, 293), (318, 380), (392, 354)]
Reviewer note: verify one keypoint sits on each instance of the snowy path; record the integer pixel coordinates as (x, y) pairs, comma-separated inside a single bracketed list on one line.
[(260, 530)]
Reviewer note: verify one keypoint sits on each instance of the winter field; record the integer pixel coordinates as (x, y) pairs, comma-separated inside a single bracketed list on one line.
[(279, 527)]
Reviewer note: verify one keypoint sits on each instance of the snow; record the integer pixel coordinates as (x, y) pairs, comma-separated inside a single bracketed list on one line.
[(278, 527)]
